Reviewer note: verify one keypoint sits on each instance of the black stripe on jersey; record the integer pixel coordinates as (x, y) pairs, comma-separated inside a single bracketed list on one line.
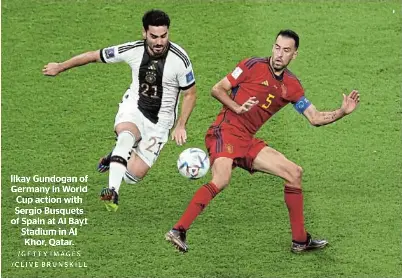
[(101, 56), (130, 45), (150, 78), (187, 87), (251, 62), (124, 48), (180, 54)]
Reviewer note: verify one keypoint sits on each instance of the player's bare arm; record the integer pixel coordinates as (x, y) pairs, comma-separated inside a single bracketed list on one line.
[(179, 133), (220, 92), (319, 118), (53, 69)]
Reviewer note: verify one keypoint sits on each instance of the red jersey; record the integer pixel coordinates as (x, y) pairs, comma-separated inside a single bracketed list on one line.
[(255, 78)]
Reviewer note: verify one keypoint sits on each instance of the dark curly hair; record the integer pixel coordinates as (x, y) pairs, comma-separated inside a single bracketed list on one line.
[(155, 18)]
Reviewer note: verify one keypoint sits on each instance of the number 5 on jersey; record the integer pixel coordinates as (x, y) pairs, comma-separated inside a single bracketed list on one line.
[(268, 101)]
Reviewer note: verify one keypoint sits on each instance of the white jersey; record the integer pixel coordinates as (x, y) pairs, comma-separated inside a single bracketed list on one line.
[(156, 81)]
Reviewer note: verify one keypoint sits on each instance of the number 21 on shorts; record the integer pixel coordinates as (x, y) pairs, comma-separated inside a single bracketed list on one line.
[(154, 146), (268, 101)]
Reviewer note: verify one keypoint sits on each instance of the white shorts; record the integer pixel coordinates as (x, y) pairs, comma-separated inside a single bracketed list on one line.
[(153, 136)]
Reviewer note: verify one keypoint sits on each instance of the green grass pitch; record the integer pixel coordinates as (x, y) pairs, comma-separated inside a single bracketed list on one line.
[(352, 169)]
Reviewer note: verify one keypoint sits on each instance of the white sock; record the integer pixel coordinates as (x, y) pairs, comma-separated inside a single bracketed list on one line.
[(120, 156), (130, 178)]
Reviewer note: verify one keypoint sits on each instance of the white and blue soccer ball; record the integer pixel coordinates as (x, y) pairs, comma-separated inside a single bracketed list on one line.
[(193, 163)]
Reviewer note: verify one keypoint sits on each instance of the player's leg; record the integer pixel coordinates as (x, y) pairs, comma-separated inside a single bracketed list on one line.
[(127, 127), (221, 159), (136, 170), (146, 152), (273, 162), (127, 133), (221, 173), (104, 162)]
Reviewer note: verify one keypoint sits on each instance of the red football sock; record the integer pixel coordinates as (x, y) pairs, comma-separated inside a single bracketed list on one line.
[(294, 202), (200, 200)]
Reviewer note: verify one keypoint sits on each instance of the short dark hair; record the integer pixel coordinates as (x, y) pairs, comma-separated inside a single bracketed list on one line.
[(290, 34), (155, 18)]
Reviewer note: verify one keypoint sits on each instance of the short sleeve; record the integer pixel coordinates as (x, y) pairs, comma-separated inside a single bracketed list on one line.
[(186, 77), (118, 53), (295, 90), (239, 74), (296, 95)]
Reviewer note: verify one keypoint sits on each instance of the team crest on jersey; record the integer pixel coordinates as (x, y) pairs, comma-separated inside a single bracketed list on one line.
[(236, 73), (109, 53), (150, 77), (189, 77), (229, 148)]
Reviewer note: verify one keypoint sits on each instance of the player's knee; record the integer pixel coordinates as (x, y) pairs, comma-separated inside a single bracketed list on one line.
[(296, 174), (127, 127), (130, 178)]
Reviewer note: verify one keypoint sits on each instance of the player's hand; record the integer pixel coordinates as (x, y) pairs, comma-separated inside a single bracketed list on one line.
[(179, 134), (52, 69), (350, 102), (250, 103)]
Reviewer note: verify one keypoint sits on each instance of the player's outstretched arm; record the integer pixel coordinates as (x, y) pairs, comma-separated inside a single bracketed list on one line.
[(220, 92), (179, 133), (53, 69), (319, 118)]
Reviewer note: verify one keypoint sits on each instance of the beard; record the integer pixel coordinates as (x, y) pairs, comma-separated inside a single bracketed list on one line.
[(278, 65), (157, 49)]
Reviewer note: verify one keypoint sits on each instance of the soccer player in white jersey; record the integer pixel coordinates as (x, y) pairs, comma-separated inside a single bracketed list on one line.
[(160, 70)]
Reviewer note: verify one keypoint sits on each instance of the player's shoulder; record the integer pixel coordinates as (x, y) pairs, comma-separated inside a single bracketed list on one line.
[(251, 62), (290, 78), (179, 53), (133, 45), (177, 48)]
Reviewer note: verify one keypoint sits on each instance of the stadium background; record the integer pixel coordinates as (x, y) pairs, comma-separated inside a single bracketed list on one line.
[(61, 126)]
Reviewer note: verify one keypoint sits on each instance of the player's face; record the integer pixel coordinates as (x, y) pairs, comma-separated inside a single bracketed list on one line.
[(157, 38), (283, 51)]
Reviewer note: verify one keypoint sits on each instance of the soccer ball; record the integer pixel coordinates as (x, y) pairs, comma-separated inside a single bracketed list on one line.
[(193, 163)]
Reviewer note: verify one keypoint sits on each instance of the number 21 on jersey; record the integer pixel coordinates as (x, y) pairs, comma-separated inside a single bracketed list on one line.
[(268, 101)]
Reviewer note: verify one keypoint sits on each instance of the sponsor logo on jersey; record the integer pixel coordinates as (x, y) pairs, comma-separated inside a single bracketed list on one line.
[(236, 73), (109, 53), (152, 65), (189, 77), (265, 83)]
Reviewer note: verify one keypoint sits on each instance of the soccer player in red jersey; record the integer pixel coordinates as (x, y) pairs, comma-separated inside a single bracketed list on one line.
[(259, 87)]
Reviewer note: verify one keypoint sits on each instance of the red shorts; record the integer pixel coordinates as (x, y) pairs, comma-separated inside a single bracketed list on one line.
[(227, 141)]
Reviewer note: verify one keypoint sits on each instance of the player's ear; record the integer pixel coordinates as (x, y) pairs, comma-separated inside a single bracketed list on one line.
[(144, 33), (295, 55)]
